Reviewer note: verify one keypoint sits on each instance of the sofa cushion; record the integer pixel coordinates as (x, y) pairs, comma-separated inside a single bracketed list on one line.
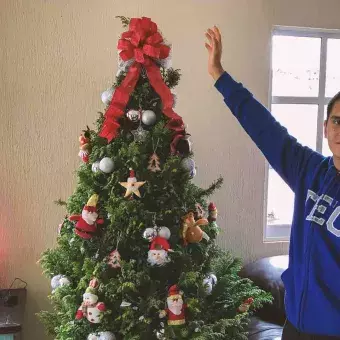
[(261, 330), (266, 274)]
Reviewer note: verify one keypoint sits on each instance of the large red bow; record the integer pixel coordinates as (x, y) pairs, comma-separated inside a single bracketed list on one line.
[(144, 43)]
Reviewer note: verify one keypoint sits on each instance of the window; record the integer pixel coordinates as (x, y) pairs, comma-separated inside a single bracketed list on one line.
[(305, 75)]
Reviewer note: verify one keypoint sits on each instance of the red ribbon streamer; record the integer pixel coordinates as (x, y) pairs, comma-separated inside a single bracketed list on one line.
[(142, 42)]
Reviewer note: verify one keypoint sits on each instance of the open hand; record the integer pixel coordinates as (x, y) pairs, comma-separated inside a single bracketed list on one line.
[(214, 48)]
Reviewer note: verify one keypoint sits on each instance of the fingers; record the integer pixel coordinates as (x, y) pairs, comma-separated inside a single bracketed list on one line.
[(208, 47), (217, 33)]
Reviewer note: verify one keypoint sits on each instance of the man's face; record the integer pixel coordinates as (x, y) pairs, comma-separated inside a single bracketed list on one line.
[(332, 130)]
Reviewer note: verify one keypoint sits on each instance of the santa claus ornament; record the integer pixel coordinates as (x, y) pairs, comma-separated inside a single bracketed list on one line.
[(159, 248), (102, 336), (84, 152), (132, 186), (86, 225), (191, 231), (176, 307), (91, 309)]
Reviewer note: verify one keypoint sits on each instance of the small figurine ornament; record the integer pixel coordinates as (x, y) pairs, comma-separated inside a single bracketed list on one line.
[(191, 231), (212, 212), (176, 307), (86, 225), (131, 185), (84, 151), (90, 307)]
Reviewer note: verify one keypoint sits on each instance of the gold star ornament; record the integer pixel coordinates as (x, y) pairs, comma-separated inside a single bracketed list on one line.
[(132, 186)]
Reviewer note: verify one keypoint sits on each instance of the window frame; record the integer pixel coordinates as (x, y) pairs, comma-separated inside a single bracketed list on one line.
[(321, 100)]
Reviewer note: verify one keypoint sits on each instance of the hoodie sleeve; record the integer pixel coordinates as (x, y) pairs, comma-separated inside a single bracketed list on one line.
[(283, 152)]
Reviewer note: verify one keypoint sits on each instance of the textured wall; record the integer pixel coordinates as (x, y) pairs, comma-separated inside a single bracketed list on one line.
[(56, 56)]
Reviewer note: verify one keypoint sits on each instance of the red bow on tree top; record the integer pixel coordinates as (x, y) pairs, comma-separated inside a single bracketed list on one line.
[(144, 43)]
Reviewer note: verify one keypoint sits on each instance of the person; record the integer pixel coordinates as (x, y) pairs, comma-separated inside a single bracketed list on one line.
[(312, 280)]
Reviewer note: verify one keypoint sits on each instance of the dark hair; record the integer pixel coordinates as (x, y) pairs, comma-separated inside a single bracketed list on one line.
[(331, 104)]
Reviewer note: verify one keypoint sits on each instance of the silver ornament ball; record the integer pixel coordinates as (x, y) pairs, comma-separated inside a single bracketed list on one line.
[(149, 117), (193, 173), (164, 232), (95, 166), (106, 165), (107, 95), (174, 97), (188, 164), (209, 283), (149, 234), (133, 115), (59, 281)]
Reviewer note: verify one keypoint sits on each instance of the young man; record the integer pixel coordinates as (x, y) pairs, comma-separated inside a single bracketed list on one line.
[(312, 280)]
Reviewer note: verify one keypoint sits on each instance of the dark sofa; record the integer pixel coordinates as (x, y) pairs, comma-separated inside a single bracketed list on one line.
[(267, 324)]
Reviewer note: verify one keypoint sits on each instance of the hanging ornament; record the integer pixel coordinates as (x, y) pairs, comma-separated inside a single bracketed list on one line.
[(187, 164), (139, 134), (154, 164), (209, 283), (106, 165), (107, 95), (102, 336), (159, 248), (149, 234), (84, 152), (174, 97), (59, 281), (212, 212), (132, 186), (190, 229), (114, 259), (176, 307), (193, 173), (95, 166), (123, 66), (244, 307), (90, 307), (87, 222), (133, 116), (149, 117)]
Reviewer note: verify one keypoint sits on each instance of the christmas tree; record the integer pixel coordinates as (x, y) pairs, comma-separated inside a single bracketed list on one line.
[(136, 255)]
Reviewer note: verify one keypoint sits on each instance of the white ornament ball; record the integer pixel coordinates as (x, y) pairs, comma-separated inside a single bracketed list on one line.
[(209, 283), (149, 117), (164, 232), (102, 336), (59, 281), (95, 166), (149, 234), (188, 164), (106, 165), (123, 66), (107, 95), (193, 173), (174, 96)]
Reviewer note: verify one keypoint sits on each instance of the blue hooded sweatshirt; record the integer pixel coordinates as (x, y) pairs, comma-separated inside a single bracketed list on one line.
[(312, 280)]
